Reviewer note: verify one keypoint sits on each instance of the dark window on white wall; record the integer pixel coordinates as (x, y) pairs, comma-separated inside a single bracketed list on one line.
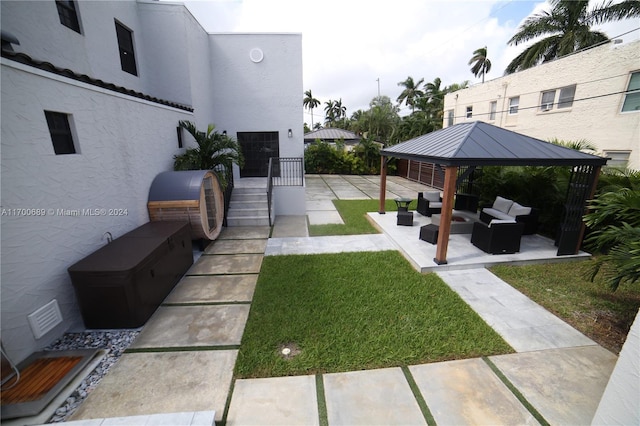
[(60, 131), (469, 112), (450, 117), (125, 45), (492, 110), (632, 97), (565, 100), (68, 14)]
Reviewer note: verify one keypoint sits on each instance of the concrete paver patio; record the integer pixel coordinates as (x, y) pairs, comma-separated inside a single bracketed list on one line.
[(557, 374)]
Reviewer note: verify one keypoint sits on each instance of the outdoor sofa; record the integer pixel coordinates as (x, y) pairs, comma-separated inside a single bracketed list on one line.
[(506, 209)]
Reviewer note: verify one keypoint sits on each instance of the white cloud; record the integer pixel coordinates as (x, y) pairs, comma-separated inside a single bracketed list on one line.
[(349, 44)]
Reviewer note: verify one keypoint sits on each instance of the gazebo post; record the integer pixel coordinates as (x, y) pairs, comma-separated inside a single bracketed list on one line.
[(444, 230), (383, 184)]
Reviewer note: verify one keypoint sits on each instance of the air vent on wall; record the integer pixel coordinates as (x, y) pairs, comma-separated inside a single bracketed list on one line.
[(45, 319)]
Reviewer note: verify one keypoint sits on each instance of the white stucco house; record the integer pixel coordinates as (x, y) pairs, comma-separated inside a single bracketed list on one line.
[(92, 94), (592, 95)]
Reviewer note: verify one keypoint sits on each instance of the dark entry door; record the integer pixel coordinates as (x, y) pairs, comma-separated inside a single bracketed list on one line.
[(257, 148)]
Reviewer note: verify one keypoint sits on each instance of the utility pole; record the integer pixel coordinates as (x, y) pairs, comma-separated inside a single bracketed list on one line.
[(378, 80)]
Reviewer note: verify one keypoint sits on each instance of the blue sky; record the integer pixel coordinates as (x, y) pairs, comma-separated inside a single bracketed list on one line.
[(349, 44)]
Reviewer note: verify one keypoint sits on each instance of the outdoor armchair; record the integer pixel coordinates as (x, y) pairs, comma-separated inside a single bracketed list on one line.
[(497, 237), (429, 203)]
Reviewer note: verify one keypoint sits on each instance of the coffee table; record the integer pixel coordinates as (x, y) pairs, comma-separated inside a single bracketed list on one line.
[(462, 222)]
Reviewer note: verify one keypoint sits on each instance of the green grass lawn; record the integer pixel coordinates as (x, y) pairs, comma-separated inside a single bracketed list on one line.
[(353, 214), (353, 311)]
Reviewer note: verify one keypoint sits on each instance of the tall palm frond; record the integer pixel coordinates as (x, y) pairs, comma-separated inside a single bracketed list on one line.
[(567, 27)]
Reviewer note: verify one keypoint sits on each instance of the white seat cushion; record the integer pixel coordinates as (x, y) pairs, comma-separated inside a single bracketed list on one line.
[(432, 195), (502, 204), (519, 210), (495, 221), (497, 214), (434, 205)]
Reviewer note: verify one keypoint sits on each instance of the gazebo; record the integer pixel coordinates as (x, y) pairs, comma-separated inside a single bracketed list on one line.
[(474, 144)]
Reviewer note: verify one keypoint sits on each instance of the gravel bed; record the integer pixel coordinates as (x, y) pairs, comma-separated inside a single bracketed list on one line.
[(114, 341)]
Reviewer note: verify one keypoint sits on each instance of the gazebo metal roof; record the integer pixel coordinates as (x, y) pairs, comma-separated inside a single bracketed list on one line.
[(482, 144)]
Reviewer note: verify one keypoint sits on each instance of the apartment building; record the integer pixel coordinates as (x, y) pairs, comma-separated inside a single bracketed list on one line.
[(593, 95)]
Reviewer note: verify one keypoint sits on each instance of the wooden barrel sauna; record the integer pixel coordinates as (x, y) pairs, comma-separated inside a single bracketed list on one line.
[(194, 195)]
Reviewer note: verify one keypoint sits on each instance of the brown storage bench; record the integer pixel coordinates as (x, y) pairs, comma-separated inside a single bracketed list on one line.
[(123, 283)]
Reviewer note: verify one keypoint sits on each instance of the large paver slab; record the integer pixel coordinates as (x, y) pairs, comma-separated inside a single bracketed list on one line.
[(335, 244), (274, 401), (467, 392), (198, 418), (524, 324), (192, 326), (290, 226), (324, 217), (373, 397), (564, 385), (244, 233), (162, 382), (214, 288), (227, 264), (245, 246)]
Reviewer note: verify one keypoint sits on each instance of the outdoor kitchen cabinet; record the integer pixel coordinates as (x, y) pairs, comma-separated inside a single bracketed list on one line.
[(123, 283)]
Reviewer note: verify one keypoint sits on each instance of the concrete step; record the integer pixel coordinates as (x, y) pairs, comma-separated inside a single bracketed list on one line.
[(244, 212), (248, 221)]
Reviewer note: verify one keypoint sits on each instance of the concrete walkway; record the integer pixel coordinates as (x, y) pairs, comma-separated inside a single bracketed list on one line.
[(184, 357)]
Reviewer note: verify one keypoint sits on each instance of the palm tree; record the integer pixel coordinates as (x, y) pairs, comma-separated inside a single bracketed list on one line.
[(339, 110), (410, 93), (568, 29), (481, 64), (329, 112), (214, 150), (310, 103)]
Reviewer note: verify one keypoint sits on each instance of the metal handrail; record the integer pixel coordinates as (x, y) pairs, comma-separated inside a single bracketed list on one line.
[(270, 188), (284, 171)]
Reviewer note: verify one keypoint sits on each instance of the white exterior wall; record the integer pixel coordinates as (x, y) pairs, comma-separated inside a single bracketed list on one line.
[(122, 144), (600, 74), (263, 96), (620, 403), (94, 52)]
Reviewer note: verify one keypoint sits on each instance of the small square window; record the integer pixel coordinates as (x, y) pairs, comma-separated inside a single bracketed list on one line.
[(60, 131), (492, 110), (513, 105), (68, 14), (632, 97), (547, 100), (618, 158), (125, 45), (565, 100), (469, 111)]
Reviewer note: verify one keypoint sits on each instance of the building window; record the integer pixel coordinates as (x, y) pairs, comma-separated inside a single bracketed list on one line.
[(450, 118), (469, 111), (125, 44), (618, 158), (492, 110), (68, 14), (632, 97), (565, 100), (547, 100), (513, 105), (60, 131)]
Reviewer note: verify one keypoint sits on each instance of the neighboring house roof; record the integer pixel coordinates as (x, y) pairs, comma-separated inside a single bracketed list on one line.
[(478, 143), (47, 66), (330, 134)]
